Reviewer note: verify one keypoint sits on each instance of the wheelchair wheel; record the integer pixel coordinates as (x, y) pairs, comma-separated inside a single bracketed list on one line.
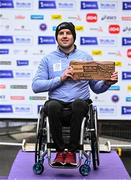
[(38, 168), (95, 151), (39, 148), (84, 169), (40, 142), (94, 140)]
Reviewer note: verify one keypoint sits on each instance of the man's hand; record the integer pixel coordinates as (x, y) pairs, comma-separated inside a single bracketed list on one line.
[(68, 73), (114, 79)]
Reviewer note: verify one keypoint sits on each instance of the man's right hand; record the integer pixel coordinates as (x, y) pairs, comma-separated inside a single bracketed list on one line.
[(68, 73)]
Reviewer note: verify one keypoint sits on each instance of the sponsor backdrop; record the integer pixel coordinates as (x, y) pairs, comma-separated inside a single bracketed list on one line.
[(27, 30)]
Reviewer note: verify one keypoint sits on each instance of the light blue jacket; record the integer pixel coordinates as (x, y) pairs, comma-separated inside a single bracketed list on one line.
[(51, 67)]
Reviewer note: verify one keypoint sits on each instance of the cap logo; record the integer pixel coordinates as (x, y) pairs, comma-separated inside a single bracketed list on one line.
[(62, 26)]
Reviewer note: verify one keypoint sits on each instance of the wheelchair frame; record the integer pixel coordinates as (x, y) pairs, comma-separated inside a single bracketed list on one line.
[(89, 146)]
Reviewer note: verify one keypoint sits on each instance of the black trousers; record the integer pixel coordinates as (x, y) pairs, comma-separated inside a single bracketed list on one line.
[(79, 109)]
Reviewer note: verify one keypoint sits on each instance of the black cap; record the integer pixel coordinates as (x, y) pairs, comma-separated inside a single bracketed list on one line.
[(66, 25)]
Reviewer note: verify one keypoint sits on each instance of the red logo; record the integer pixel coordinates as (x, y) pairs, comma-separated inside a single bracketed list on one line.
[(17, 97), (129, 53), (114, 29), (91, 17), (19, 17), (2, 86)]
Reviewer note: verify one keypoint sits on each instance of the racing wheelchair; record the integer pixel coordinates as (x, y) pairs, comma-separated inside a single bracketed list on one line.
[(88, 151)]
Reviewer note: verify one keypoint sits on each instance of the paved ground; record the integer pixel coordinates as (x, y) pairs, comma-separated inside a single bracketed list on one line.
[(27, 131)]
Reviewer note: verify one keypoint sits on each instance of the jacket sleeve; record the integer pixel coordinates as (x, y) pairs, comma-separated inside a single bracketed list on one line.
[(98, 86), (41, 81)]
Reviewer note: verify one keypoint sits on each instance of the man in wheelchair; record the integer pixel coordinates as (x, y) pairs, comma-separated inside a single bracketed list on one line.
[(56, 76)]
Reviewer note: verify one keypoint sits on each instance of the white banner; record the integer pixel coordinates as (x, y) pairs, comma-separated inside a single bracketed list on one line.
[(27, 29)]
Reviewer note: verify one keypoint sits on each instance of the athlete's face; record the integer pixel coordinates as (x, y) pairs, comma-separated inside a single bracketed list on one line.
[(65, 38)]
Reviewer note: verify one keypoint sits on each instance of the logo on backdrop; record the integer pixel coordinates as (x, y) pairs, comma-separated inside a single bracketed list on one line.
[(46, 40), (6, 40), (2, 86), (36, 17), (128, 99), (107, 41), (22, 40), (126, 41), (108, 5), (66, 5), (5, 62), (15, 86), (4, 51), (47, 4), (109, 18), (6, 74), (6, 4), (126, 75), (23, 4), (22, 74), (114, 28), (22, 109), (91, 17), (43, 27), (129, 53), (6, 109), (114, 88), (88, 41), (125, 110), (107, 110), (22, 62), (126, 5), (127, 29), (89, 5), (115, 98)]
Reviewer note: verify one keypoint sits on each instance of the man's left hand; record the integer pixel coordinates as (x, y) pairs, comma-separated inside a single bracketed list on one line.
[(114, 79)]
